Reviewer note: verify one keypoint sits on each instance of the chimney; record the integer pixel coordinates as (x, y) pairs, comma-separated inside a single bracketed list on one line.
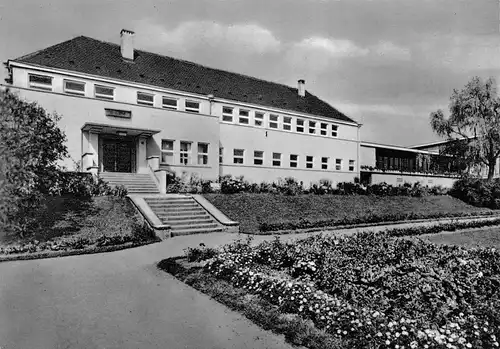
[(302, 88), (127, 44)]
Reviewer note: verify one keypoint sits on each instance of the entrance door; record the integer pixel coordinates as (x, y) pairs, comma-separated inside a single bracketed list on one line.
[(118, 155)]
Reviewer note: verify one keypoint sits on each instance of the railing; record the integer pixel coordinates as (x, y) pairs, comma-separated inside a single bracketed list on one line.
[(430, 172)]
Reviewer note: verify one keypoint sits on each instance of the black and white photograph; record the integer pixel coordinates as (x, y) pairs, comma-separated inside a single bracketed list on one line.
[(212, 174)]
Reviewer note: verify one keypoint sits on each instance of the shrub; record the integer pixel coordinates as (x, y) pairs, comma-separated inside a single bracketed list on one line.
[(229, 185), (287, 186), (197, 254), (477, 191), (31, 144)]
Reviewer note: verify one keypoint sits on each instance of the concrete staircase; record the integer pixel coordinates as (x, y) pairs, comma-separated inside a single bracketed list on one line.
[(136, 183), (183, 214)]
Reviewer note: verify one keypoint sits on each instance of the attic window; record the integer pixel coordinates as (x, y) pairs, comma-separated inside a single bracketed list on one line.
[(335, 130), (169, 103), (41, 82), (104, 92), (71, 61), (74, 87), (98, 68), (141, 75), (119, 71), (145, 98), (192, 106), (162, 79)]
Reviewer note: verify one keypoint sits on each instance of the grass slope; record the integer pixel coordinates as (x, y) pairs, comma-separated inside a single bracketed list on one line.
[(252, 209), (74, 217)]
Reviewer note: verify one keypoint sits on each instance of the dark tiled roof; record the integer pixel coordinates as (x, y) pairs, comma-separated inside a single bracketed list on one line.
[(91, 56)]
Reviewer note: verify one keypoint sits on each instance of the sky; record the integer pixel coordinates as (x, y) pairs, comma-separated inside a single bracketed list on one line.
[(385, 63)]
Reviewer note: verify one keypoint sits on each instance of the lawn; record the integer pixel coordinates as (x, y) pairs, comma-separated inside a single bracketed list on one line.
[(363, 291), (484, 237), (267, 212), (69, 222)]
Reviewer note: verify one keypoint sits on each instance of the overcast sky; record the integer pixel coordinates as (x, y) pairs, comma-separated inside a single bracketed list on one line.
[(385, 63)]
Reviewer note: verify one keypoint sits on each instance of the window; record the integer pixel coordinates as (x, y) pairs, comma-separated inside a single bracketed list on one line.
[(324, 163), (351, 165), (202, 154), (41, 82), (312, 127), (276, 159), (259, 119), (145, 98), (221, 155), (185, 153), (167, 152), (309, 162), (258, 157), (192, 106), (169, 103), (273, 121), (294, 159), (227, 114), (338, 164), (335, 129), (244, 117), (287, 123), (324, 129), (300, 125), (104, 92), (238, 156), (74, 87)]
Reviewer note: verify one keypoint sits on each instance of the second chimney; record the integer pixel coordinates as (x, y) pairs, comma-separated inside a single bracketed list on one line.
[(127, 44), (302, 88)]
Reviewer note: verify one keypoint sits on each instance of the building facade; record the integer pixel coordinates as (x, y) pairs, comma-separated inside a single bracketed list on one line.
[(126, 110), (397, 165)]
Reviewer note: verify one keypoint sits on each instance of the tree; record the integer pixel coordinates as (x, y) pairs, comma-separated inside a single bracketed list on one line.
[(31, 145), (473, 127)]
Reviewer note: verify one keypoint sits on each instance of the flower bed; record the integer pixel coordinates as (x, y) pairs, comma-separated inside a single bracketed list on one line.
[(371, 290)]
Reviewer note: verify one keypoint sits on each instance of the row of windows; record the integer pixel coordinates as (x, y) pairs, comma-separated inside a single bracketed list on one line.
[(72, 87), (278, 160), (184, 154), (244, 116), (279, 122)]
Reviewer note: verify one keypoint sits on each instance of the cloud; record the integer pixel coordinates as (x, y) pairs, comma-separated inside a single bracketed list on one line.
[(462, 53), (333, 47), (315, 54), (388, 50), (250, 38)]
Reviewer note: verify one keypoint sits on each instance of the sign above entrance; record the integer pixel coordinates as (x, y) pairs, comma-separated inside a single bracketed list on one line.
[(117, 113)]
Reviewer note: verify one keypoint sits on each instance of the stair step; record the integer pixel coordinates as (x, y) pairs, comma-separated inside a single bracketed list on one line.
[(185, 217), (180, 206), (141, 186), (173, 199), (155, 201), (178, 211), (195, 231), (189, 222), (193, 226), (199, 212), (168, 201), (144, 191)]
